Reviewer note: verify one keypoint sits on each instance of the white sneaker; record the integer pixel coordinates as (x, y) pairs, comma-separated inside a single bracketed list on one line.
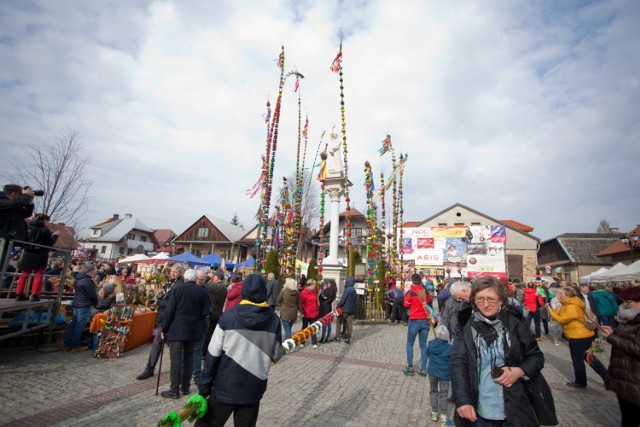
[(315, 346)]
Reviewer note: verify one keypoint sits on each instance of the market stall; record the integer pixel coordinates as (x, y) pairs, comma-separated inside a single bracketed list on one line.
[(124, 331)]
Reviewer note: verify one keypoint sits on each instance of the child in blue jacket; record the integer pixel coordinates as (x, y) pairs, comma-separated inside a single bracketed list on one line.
[(439, 352)]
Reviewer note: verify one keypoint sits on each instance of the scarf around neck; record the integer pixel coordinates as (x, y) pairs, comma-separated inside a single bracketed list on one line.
[(488, 328), (626, 315)]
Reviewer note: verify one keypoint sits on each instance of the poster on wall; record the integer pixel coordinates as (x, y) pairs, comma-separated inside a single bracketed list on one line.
[(460, 251)]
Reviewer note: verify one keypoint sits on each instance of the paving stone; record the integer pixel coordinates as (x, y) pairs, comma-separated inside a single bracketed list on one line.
[(361, 384)]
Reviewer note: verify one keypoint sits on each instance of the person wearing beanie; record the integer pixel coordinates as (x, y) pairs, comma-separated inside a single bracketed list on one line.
[(106, 297), (438, 354), (246, 342)]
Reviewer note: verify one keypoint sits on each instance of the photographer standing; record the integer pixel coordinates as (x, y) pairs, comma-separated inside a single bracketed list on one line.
[(35, 259), (16, 204)]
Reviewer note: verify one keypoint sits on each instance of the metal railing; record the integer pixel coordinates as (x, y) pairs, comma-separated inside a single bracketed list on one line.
[(10, 308)]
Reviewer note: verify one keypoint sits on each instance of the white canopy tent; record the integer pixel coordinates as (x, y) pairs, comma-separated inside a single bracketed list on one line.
[(134, 258), (627, 274), (605, 277), (591, 277)]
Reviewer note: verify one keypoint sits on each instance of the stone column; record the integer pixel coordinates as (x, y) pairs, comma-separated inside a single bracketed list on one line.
[(334, 193)]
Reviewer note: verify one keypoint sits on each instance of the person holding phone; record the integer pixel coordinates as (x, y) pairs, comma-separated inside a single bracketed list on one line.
[(495, 350)]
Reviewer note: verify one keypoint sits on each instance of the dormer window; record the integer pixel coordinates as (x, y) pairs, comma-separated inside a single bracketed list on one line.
[(96, 232)]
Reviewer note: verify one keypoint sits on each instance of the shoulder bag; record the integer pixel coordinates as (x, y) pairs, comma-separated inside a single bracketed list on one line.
[(541, 399)]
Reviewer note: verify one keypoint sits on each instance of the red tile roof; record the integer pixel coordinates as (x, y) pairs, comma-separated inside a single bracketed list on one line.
[(619, 247), (162, 236), (354, 212), (411, 224), (517, 225), (65, 238)]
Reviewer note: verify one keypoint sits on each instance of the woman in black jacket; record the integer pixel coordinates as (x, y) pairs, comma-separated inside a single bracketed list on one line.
[(624, 364), (327, 295), (495, 351), (34, 258)]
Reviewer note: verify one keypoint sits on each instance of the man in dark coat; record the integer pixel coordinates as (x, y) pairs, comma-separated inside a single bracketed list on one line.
[(35, 258), (16, 204), (273, 290), (182, 325), (218, 295), (348, 303), (84, 297), (175, 281)]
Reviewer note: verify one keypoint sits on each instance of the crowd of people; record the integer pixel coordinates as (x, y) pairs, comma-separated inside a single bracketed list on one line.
[(224, 332)]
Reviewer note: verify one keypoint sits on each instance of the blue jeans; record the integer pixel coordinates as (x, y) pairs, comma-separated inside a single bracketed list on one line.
[(535, 315), (306, 321), (326, 332), (79, 320), (287, 329), (418, 328)]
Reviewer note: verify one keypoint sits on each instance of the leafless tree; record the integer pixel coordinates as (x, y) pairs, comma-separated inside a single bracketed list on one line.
[(604, 227), (310, 203), (59, 170)]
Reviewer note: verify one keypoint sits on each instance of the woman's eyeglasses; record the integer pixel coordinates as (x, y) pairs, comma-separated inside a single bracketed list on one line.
[(489, 300)]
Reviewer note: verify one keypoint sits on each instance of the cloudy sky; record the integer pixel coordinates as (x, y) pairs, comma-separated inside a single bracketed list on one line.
[(525, 110)]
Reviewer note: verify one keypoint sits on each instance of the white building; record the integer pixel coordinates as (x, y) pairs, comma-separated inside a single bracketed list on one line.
[(118, 237)]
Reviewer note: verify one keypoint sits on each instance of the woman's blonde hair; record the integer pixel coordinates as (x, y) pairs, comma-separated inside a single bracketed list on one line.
[(569, 292), (291, 284)]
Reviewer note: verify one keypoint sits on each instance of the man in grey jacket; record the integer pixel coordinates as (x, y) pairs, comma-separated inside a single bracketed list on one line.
[(460, 292), (273, 290)]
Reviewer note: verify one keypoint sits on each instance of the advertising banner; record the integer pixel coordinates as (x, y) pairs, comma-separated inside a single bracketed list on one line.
[(473, 251)]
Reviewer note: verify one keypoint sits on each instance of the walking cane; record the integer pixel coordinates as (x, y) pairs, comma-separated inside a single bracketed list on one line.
[(160, 366)]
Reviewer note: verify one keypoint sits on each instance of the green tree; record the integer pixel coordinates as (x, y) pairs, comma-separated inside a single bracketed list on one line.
[(236, 221), (272, 264), (380, 290), (312, 271), (354, 258)]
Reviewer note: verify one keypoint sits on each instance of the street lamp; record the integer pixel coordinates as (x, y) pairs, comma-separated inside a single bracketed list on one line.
[(630, 242)]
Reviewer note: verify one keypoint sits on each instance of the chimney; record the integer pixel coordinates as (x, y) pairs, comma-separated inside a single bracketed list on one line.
[(128, 215), (116, 216)]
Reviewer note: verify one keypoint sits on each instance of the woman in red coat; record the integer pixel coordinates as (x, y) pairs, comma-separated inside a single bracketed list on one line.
[(533, 302), (234, 293), (309, 307)]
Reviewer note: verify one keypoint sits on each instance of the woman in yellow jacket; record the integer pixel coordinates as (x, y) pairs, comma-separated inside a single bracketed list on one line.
[(571, 318)]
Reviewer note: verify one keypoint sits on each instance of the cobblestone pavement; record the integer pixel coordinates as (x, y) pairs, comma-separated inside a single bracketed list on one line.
[(361, 384)]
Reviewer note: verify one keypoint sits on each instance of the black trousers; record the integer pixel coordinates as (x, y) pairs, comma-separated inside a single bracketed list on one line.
[(212, 327), (398, 312), (630, 413), (578, 349), (181, 351), (218, 413), (154, 353)]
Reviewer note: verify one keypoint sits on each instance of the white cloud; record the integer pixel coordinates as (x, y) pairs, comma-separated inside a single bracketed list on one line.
[(522, 111)]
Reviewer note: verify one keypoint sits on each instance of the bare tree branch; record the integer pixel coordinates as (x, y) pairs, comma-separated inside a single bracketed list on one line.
[(59, 170)]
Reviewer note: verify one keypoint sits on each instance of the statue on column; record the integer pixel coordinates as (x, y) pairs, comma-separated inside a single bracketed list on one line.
[(334, 163)]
